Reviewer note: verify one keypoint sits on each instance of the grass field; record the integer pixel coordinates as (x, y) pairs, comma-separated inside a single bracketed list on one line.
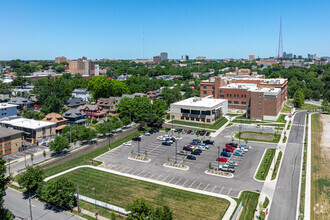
[(87, 158), (286, 108), (216, 125), (249, 202), (258, 136), (281, 118), (306, 106), (320, 192), (265, 164), (121, 191), (277, 165)]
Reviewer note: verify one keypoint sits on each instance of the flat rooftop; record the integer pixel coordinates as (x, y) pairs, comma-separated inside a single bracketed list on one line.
[(240, 86), (199, 102), (28, 123), (7, 132), (266, 91), (6, 105)]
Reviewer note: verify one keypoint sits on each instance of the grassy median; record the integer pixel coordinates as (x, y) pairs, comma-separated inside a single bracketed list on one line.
[(258, 136), (265, 164), (277, 165), (216, 125), (87, 158), (121, 191)]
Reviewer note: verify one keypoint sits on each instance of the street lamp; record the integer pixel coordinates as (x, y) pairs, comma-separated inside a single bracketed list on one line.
[(138, 148), (218, 156), (109, 135), (30, 204), (172, 124), (176, 150), (94, 189), (239, 139)]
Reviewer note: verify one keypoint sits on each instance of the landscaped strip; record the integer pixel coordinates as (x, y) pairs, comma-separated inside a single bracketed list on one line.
[(249, 202), (216, 125), (303, 173), (277, 165), (263, 137), (87, 158), (265, 164), (281, 118), (121, 191)]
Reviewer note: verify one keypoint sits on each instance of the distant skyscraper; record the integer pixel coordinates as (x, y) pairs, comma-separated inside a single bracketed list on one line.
[(82, 66), (163, 56), (184, 57), (294, 56), (299, 56), (310, 56), (290, 55), (284, 55), (251, 56), (200, 58)]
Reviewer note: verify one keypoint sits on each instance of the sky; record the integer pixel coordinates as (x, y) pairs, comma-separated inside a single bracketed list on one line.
[(124, 29)]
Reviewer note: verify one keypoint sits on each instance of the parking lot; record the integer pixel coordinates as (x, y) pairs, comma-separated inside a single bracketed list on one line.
[(195, 176)]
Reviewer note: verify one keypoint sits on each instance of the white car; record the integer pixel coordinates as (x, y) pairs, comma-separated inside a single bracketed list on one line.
[(146, 134), (205, 146), (127, 144), (231, 163), (227, 168), (161, 138), (200, 147), (244, 149)]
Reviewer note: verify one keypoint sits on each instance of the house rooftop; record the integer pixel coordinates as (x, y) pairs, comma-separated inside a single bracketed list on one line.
[(6, 105), (28, 123)]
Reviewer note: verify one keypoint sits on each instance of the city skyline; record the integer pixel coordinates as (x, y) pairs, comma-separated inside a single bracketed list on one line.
[(110, 29)]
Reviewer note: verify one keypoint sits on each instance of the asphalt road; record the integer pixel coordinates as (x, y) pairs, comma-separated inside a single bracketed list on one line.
[(195, 177), (19, 206), (284, 205)]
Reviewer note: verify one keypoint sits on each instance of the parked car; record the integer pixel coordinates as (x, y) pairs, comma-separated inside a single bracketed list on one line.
[(127, 144), (189, 132), (225, 154), (239, 150), (191, 157), (188, 148), (194, 143), (193, 132), (169, 140), (182, 152), (232, 144), (237, 153), (197, 140), (166, 143), (208, 142), (184, 131), (202, 133), (244, 146), (45, 144), (137, 139), (232, 163), (173, 139), (230, 147), (227, 168), (175, 130), (198, 150), (195, 152), (227, 150), (243, 149), (205, 145), (200, 147), (208, 133), (222, 159), (146, 134)]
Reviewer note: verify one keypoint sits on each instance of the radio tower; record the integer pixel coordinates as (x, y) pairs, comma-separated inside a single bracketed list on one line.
[(280, 42)]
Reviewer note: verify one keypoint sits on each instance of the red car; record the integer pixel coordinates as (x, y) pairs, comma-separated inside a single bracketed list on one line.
[(230, 147), (221, 159), (188, 148), (228, 150), (232, 144)]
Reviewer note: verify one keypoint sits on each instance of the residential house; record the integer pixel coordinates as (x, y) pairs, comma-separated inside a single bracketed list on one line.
[(82, 93), (134, 95), (75, 117), (23, 103), (92, 111), (4, 96), (108, 104), (75, 102), (8, 110), (60, 121), (10, 141), (153, 95)]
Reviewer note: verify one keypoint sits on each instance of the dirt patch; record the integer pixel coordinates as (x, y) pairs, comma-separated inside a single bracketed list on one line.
[(262, 137), (325, 138)]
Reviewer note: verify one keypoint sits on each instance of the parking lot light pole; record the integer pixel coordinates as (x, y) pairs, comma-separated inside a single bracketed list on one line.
[(176, 150), (94, 189), (138, 148), (239, 139), (172, 124), (218, 156)]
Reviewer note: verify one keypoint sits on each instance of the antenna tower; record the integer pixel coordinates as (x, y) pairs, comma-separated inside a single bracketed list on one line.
[(280, 42)]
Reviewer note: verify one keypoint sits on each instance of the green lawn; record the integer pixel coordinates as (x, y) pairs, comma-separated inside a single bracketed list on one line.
[(265, 164), (87, 158), (216, 125), (306, 106), (249, 202), (281, 118), (277, 165), (258, 136), (121, 191), (286, 108)]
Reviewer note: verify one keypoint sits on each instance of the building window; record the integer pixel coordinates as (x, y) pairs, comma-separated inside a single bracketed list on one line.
[(204, 87), (236, 102), (227, 95), (244, 96), (243, 103), (234, 95), (192, 118), (203, 119), (187, 118), (204, 92), (212, 87), (229, 102), (259, 117), (259, 109), (260, 95), (197, 119), (208, 120), (182, 117), (222, 91), (222, 96), (259, 102)]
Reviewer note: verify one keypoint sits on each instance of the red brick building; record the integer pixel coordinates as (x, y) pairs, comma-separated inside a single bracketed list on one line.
[(260, 98)]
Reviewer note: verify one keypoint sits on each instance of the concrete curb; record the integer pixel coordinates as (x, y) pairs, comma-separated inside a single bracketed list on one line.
[(178, 168), (143, 161), (255, 173), (227, 215)]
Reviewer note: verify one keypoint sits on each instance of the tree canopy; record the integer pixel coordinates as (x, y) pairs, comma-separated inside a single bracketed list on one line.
[(4, 181), (59, 144), (31, 179)]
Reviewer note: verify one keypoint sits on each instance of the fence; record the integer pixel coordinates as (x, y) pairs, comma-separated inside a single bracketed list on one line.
[(237, 211)]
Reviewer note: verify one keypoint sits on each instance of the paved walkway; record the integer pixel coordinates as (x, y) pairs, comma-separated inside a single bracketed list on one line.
[(227, 215)]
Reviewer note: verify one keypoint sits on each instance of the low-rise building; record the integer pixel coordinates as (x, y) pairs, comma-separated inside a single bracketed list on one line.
[(35, 132), (10, 141), (155, 94), (60, 121), (8, 110), (82, 93), (23, 103), (4, 96), (92, 111), (200, 110), (108, 104), (76, 102), (75, 117)]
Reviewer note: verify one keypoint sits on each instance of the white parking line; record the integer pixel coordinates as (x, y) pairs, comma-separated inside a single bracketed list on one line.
[(214, 188), (171, 179), (199, 185), (122, 169), (152, 175), (128, 170), (192, 184), (140, 173), (229, 191), (165, 178), (159, 176), (221, 190), (206, 187), (145, 174), (178, 181), (184, 182)]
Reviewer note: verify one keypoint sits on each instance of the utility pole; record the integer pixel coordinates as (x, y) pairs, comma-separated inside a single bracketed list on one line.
[(94, 189), (138, 148), (78, 199), (176, 150), (218, 156), (30, 208)]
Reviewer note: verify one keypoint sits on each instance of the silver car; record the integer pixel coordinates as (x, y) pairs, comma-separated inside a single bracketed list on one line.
[(182, 152), (231, 163)]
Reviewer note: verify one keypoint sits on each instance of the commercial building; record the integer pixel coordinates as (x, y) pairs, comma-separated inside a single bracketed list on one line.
[(60, 59), (8, 110), (10, 141), (184, 58), (251, 57), (200, 110), (259, 98), (163, 56), (35, 132), (82, 66)]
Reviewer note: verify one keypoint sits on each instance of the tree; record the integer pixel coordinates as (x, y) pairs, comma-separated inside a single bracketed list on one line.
[(44, 154), (4, 181), (140, 209), (159, 107), (126, 121), (59, 144), (59, 191), (298, 98), (143, 108), (126, 107), (325, 105), (32, 156), (31, 179), (171, 95)]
